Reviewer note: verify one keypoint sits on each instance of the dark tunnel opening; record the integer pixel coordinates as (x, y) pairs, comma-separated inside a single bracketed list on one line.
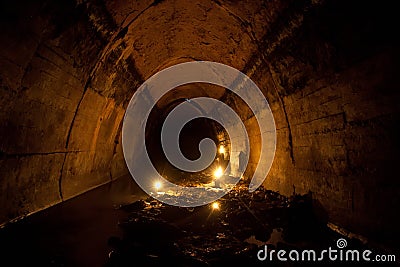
[(328, 71), (195, 131), (192, 133)]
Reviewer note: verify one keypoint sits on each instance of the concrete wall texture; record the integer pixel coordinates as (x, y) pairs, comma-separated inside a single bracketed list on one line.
[(328, 69)]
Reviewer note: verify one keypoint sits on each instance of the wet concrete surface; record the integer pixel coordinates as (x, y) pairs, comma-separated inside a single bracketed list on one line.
[(72, 233), (118, 225)]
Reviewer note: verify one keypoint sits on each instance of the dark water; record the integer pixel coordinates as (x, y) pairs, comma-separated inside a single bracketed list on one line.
[(140, 231), (73, 233)]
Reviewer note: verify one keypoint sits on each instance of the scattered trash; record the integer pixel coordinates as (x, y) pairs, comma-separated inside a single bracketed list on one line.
[(155, 233)]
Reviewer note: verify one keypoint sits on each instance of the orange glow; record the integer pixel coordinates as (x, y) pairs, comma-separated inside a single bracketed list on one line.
[(157, 185), (215, 206), (218, 173)]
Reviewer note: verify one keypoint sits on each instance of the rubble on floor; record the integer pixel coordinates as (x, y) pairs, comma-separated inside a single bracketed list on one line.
[(230, 232)]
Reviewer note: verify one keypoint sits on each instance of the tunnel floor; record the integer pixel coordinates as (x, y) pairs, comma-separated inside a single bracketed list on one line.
[(72, 233), (118, 225)]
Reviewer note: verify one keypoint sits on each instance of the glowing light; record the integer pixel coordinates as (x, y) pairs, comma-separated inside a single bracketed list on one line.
[(157, 185), (218, 172), (215, 206), (221, 149)]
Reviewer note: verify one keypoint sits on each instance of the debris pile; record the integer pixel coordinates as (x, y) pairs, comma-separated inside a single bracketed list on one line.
[(214, 235)]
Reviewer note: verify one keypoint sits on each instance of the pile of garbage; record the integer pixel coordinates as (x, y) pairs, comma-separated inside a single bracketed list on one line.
[(229, 231)]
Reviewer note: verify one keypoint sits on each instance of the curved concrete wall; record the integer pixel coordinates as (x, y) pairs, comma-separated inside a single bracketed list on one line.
[(328, 70)]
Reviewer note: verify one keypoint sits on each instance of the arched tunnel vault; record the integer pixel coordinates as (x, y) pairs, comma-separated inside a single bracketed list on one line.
[(328, 69)]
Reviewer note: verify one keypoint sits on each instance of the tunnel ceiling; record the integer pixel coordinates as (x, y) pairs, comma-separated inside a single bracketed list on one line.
[(160, 34), (327, 68)]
